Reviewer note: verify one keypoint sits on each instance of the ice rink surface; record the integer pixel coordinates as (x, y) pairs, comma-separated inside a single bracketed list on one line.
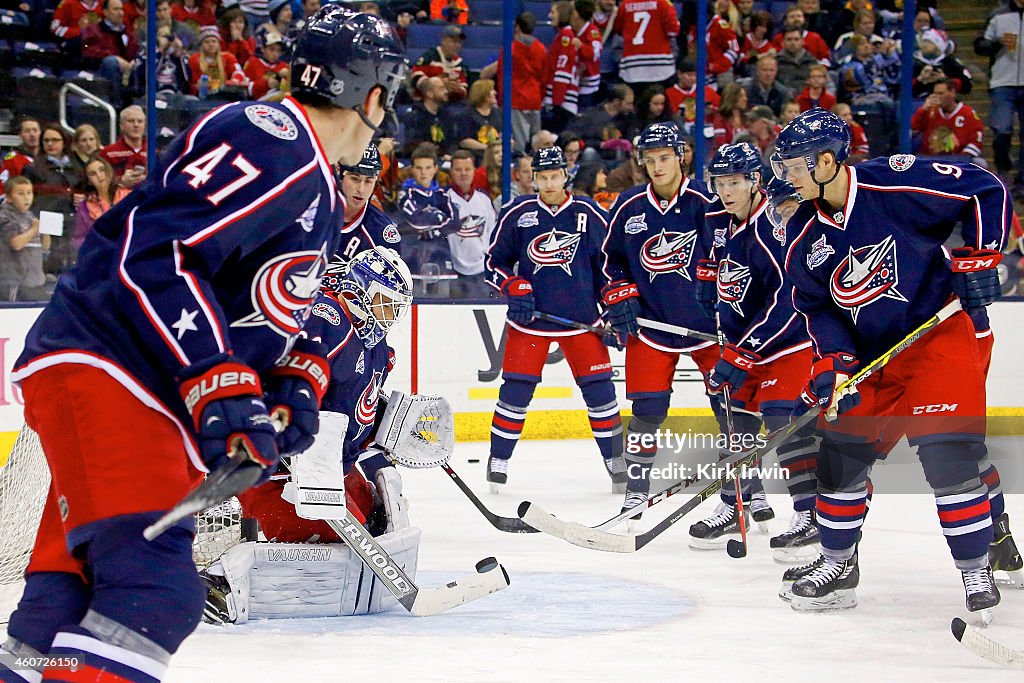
[(666, 613)]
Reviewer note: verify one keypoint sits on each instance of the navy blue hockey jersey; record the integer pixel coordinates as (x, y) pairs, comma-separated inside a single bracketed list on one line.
[(755, 299), (869, 272), (371, 228), (428, 214), (656, 244), (220, 250), (357, 373), (559, 251)]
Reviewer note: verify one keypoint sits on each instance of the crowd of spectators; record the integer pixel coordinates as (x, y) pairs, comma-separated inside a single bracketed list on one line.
[(588, 76)]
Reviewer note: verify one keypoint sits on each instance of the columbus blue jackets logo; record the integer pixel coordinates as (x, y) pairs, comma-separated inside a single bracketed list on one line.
[(866, 275), (471, 226), (733, 283), (273, 121), (668, 252), (283, 291), (820, 251), (636, 224), (366, 407), (554, 249), (528, 220)]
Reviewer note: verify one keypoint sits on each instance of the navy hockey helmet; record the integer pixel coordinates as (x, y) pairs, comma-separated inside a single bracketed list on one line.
[(376, 288), (370, 165), (811, 133), (780, 191), (660, 136), (740, 158), (339, 56), (548, 159)]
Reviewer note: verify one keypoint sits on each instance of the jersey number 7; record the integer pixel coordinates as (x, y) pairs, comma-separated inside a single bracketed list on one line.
[(202, 170)]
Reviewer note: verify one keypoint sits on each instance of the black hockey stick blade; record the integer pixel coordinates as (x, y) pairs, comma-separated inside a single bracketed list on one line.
[(985, 647), (736, 548), (232, 478), (511, 525)]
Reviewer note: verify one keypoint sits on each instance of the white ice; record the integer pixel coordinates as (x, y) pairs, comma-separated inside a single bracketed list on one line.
[(664, 614)]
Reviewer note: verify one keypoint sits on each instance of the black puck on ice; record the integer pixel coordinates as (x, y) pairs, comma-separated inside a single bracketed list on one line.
[(473, 461)]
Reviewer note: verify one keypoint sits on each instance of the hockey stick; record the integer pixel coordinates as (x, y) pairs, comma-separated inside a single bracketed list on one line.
[(676, 329), (559, 320), (587, 537), (512, 525), (983, 646)]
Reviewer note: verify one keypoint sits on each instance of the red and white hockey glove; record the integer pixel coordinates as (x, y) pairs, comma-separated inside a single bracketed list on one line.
[(706, 286), (975, 276), (225, 400), (827, 375), (732, 368), (622, 299), (295, 388), (520, 299)]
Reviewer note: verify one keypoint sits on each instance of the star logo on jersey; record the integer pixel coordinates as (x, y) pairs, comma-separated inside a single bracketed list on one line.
[(866, 275), (528, 220), (554, 249), (668, 252), (186, 323), (733, 282), (272, 120), (636, 224), (308, 217), (820, 251), (992, 245), (366, 407), (754, 342), (283, 291), (471, 226)]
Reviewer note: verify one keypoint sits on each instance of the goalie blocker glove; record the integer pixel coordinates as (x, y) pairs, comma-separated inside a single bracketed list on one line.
[(623, 302), (975, 277), (224, 398), (296, 385)]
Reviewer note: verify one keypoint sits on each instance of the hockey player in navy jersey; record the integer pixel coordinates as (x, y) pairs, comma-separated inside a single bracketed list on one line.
[(364, 225), (656, 236), (867, 265), (182, 311), (546, 256), (767, 355), (427, 214), (361, 299)]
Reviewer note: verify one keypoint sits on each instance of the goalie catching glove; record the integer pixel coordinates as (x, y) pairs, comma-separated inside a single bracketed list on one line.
[(417, 431)]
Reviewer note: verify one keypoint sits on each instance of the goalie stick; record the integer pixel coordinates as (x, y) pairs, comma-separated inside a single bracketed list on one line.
[(588, 537), (983, 646)]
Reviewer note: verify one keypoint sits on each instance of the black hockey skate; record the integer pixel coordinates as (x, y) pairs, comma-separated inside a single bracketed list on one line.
[(761, 512), (982, 594), (616, 468), (1004, 556), (829, 586), (793, 574), (800, 542), (712, 533), (217, 609), (497, 473)]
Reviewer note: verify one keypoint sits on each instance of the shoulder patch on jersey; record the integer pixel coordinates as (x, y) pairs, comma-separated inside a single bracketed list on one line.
[(901, 162), (565, 40), (273, 121), (361, 363), (391, 234), (308, 217), (723, 23), (328, 313), (719, 239), (636, 224), (820, 251), (528, 220), (10, 155)]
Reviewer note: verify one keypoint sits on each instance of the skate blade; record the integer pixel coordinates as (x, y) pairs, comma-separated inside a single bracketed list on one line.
[(764, 527), (619, 488), (982, 618), (1014, 579), (837, 600), (718, 543), (786, 591), (801, 554), (495, 488)]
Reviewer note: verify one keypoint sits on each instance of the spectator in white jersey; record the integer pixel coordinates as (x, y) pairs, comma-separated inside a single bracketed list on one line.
[(476, 223)]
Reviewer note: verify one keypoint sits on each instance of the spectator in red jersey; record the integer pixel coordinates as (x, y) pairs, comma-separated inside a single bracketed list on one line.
[(127, 155), (682, 97), (234, 35), (135, 19), (859, 149), (218, 67), (561, 82), (195, 13), (648, 29), (70, 17), (15, 161), (589, 44), (948, 126), (109, 48), (815, 94), (444, 62), (757, 41), (529, 59), (723, 45), (269, 75), (813, 41)]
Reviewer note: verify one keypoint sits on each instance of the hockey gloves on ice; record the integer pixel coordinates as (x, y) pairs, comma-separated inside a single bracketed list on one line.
[(707, 286), (622, 300), (294, 390), (225, 400), (828, 374), (520, 299), (975, 277), (732, 368)]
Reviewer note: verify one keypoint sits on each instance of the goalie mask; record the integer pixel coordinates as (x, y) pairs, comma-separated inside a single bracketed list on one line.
[(376, 288)]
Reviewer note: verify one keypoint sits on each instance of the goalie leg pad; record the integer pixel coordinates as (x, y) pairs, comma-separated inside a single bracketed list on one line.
[(298, 580), (317, 473), (396, 506)]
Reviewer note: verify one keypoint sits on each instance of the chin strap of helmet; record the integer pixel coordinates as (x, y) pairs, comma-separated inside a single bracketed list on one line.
[(821, 185)]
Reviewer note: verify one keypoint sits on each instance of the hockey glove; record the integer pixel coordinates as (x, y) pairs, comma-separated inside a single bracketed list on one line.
[(613, 339), (622, 300), (294, 390), (731, 369), (707, 286), (975, 276), (828, 374), (225, 400), (520, 299)]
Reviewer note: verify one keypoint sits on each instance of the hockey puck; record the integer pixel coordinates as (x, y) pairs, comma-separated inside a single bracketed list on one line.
[(473, 461), (736, 549), (486, 564)]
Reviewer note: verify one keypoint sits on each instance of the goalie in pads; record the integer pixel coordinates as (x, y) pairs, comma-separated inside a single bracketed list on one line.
[(306, 571)]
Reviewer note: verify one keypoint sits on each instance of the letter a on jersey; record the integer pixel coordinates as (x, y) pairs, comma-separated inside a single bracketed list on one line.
[(867, 275)]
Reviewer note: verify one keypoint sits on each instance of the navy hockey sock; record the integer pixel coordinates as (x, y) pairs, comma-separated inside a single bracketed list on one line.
[(797, 459), (961, 498), (605, 421), (990, 478), (509, 416), (50, 601)]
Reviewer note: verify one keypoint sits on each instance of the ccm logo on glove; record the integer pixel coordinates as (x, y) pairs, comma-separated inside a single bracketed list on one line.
[(617, 292), (978, 260)]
